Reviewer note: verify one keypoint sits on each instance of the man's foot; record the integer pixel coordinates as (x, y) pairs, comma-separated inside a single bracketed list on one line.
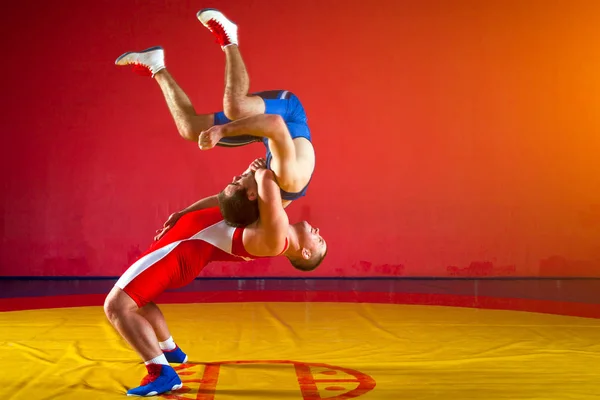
[(160, 379), (146, 62), (222, 28), (175, 356)]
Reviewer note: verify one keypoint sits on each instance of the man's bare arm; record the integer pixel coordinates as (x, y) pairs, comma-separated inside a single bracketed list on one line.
[(268, 126), (207, 202), (266, 237)]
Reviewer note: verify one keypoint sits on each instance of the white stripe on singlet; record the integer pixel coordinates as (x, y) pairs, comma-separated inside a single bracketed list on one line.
[(219, 235)]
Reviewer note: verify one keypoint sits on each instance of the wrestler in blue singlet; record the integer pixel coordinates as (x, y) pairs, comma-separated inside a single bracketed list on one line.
[(280, 102)]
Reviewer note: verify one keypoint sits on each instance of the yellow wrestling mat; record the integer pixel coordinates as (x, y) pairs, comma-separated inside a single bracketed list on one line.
[(310, 351)]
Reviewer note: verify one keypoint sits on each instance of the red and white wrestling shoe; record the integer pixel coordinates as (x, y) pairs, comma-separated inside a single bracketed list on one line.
[(146, 62), (221, 27)]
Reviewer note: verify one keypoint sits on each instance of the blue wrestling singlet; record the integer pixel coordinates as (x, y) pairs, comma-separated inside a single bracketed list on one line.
[(280, 102)]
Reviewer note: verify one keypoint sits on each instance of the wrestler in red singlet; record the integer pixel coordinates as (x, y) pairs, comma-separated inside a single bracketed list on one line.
[(175, 260)]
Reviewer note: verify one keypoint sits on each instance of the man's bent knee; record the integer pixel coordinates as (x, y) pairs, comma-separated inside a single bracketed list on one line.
[(243, 106), (117, 303), (234, 111), (189, 134)]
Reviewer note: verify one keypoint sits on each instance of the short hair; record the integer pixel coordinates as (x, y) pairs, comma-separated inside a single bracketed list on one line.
[(310, 264), (237, 209)]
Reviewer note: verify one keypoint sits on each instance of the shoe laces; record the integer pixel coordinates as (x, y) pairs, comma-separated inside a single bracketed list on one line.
[(141, 69), (153, 373), (219, 31)]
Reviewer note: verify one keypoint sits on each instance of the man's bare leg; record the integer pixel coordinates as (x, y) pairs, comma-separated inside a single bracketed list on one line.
[(155, 317), (151, 62), (122, 312), (189, 123), (236, 101)]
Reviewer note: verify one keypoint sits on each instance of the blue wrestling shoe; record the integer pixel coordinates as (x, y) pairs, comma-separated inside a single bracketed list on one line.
[(175, 356), (160, 379)]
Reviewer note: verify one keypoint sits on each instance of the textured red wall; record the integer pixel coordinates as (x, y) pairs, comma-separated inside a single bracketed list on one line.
[(453, 137)]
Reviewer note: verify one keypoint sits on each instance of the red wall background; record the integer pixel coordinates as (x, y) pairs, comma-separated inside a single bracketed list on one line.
[(453, 137)]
